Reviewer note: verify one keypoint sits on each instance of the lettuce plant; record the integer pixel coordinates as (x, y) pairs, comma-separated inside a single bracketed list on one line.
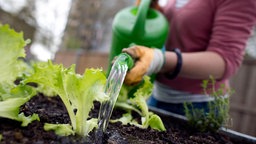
[(78, 92), (12, 47), (137, 103), (13, 96)]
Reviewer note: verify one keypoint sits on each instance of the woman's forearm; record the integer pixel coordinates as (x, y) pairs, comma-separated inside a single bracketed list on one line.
[(197, 65)]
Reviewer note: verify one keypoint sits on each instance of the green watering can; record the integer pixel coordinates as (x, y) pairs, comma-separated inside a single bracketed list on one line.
[(138, 25)]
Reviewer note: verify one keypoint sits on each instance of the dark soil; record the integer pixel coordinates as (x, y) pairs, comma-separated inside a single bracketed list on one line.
[(51, 110)]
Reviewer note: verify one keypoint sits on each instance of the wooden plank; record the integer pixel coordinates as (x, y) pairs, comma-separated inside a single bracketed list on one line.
[(248, 61), (239, 83), (251, 89), (67, 58), (242, 108), (243, 122), (242, 103), (248, 125), (235, 119), (82, 59), (92, 60), (253, 126)]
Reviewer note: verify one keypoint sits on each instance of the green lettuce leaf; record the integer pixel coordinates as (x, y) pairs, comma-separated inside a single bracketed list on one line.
[(125, 119), (59, 129), (12, 96), (12, 47), (10, 107), (78, 92)]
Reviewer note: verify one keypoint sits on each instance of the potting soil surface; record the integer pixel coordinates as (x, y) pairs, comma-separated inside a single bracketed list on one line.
[(52, 110)]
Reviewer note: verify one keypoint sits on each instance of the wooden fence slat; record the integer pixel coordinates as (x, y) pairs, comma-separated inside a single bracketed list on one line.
[(92, 60), (235, 116), (82, 60), (246, 125), (239, 84), (251, 92), (67, 58), (242, 102), (243, 109)]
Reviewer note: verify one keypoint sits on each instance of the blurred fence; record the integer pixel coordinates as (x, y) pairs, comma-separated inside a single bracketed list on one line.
[(243, 106), (242, 103), (82, 59)]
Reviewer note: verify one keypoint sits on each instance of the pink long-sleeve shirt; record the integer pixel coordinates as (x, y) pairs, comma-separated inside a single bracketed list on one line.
[(221, 26)]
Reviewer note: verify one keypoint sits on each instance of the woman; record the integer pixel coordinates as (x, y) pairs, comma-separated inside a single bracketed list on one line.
[(207, 37)]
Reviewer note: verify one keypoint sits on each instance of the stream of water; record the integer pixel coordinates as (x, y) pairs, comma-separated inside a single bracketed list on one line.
[(112, 88)]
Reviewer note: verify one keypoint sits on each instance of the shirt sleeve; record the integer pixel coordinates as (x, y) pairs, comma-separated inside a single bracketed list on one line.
[(232, 27)]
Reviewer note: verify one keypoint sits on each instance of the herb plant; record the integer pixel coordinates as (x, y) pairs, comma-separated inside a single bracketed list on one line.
[(218, 114)]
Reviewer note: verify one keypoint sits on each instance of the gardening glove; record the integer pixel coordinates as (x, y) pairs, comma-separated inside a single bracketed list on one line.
[(154, 4), (147, 61)]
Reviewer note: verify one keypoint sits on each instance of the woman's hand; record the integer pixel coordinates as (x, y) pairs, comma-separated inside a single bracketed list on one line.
[(147, 61)]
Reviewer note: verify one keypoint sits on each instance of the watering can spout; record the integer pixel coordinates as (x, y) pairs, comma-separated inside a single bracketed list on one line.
[(126, 59), (141, 16)]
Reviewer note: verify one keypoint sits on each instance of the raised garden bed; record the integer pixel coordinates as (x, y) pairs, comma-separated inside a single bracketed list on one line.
[(52, 110), (22, 102)]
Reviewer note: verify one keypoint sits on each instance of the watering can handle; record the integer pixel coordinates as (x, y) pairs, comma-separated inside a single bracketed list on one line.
[(139, 25)]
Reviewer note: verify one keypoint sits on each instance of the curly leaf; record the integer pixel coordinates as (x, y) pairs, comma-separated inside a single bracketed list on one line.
[(59, 129), (12, 47)]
